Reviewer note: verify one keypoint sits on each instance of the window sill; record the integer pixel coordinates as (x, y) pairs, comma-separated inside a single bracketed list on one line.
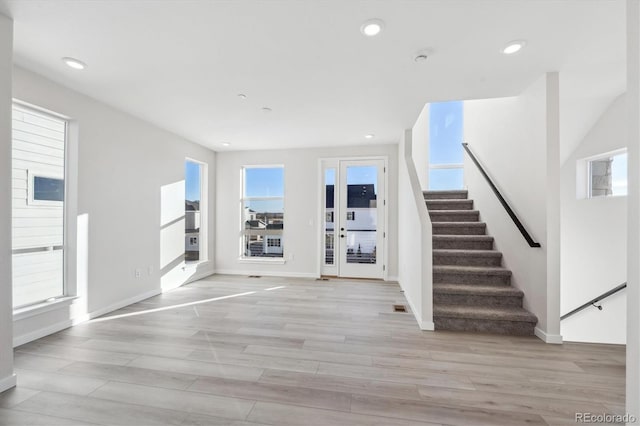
[(40, 308), (271, 261)]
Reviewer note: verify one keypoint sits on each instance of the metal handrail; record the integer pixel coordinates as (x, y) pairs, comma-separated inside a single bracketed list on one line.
[(595, 300), (504, 203)]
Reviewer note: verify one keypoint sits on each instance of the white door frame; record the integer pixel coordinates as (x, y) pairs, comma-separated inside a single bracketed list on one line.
[(334, 162)]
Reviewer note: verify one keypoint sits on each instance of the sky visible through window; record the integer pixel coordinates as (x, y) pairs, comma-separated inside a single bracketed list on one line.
[(192, 181), (445, 144)]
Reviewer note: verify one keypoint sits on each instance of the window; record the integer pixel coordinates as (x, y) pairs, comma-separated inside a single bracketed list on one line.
[(262, 212), (607, 175), (445, 146), (194, 209), (38, 209)]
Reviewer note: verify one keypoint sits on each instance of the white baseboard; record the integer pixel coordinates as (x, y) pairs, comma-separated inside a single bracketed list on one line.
[(41, 332), (8, 382), (424, 325), (268, 273), (123, 303), (200, 276), (554, 339), (427, 326)]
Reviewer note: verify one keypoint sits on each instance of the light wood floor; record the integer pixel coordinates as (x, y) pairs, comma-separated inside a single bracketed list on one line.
[(280, 351)]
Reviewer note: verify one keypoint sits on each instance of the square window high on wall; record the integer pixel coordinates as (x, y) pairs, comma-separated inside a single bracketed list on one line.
[(607, 175), (262, 212)]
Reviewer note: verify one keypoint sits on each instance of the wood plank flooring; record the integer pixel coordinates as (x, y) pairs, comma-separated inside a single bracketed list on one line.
[(232, 350)]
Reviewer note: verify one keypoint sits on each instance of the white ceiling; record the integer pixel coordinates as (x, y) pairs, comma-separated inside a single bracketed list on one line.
[(181, 64)]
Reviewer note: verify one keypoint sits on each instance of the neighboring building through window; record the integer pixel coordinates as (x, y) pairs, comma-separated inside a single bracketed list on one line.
[(607, 175), (446, 169), (262, 212), (38, 211)]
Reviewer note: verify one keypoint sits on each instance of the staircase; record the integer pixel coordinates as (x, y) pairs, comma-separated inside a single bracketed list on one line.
[(471, 290)]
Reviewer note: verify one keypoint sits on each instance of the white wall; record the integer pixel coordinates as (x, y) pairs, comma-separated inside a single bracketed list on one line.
[(130, 206), (302, 184), (594, 239), (510, 137), (420, 146), (7, 378), (415, 234), (633, 209)]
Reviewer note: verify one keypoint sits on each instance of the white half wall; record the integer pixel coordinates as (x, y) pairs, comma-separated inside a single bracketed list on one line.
[(302, 205), (633, 209), (130, 178), (415, 241), (594, 239), (7, 378), (510, 137)]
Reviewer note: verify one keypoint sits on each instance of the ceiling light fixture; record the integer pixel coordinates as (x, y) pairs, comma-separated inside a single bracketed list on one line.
[(74, 63), (242, 96), (226, 144), (369, 136), (372, 27), (513, 47), (266, 109)]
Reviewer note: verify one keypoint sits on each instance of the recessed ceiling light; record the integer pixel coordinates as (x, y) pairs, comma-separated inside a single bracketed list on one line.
[(420, 58), (266, 109), (74, 63), (372, 27), (226, 144), (242, 96), (369, 136), (513, 47)]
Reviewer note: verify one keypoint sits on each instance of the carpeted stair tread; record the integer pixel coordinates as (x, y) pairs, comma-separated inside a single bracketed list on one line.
[(473, 270), (444, 204), (463, 242), (485, 313), (447, 216), (445, 195), (476, 289), (468, 252)]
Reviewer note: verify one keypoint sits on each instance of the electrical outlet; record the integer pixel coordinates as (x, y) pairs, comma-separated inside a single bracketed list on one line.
[(138, 273)]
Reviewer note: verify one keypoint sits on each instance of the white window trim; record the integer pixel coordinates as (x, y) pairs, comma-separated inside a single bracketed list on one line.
[(583, 178), (70, 178), (243, 198), (203, 234)]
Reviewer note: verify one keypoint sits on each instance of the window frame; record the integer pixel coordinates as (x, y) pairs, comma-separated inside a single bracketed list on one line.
[(69, 211), (34, 173), (589, 178), (243, 199)]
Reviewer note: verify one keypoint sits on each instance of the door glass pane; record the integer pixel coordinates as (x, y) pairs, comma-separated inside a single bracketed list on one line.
[(329, 227), (361, 214)]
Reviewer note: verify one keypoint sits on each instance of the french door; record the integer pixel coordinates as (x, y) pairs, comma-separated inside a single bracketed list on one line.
[(354, 209)]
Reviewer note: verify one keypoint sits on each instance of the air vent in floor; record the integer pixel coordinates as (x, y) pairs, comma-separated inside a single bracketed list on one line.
[(255, 276), (399, 308)]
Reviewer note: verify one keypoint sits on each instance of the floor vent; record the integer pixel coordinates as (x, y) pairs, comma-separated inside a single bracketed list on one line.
[(255, 276), (399, 308), (322, 279)]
